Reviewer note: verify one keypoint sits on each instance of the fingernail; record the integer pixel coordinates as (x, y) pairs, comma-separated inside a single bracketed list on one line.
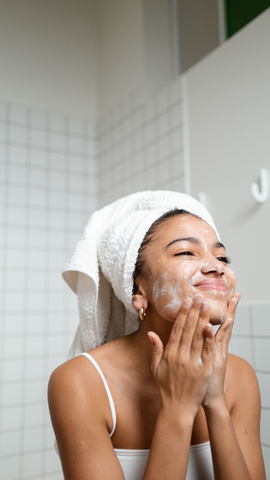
[(210, 329), (199, 298), (187, 303), (204, 307)]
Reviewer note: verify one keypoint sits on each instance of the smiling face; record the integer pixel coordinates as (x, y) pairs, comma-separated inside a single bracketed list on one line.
[(186, 258)]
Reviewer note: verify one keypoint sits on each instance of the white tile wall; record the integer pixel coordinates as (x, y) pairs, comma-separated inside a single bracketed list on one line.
[(141, 146), (48, 185), (251, 340)]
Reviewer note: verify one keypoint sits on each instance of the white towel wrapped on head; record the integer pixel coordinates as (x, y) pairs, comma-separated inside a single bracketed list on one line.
[(100, 271)]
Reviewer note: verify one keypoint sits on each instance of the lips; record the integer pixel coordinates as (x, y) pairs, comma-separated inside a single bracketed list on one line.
[(211, 285)]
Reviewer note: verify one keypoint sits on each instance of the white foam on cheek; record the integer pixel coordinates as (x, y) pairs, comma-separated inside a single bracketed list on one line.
[(158, 290), (231, 286), (165, 285), (186, 277), (175, 293)]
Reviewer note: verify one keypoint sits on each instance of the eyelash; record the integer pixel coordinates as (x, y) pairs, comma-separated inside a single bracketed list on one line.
[(225, 259)]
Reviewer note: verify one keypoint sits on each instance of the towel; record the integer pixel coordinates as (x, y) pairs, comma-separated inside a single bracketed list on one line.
[(100, 271)]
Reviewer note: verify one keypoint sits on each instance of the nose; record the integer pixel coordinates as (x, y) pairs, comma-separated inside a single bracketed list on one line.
[(213, 265)]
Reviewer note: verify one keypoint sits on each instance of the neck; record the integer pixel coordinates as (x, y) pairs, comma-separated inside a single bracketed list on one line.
[(139, 342)]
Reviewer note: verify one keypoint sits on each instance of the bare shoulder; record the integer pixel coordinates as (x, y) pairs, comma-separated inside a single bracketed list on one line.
[(69, 378), (241, 381), (81, 418), (239, 369), (77, 380), (243, 397), (76, 395)]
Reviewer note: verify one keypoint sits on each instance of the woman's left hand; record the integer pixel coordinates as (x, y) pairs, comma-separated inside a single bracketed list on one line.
[(215, 392)]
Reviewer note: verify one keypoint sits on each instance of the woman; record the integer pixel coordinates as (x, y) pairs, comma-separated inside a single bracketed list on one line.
[(185, 408)]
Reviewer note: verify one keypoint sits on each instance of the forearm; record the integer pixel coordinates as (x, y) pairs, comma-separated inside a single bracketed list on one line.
[(169, 453), (228, 460)]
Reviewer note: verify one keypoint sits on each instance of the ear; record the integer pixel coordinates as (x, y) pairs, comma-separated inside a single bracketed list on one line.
[(140, 299)]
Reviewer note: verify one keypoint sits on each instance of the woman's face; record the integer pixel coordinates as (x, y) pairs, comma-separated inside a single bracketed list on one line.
[(186, 259)]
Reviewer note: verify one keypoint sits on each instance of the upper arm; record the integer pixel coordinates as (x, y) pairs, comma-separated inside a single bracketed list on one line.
[(80, 427), (245, 414)]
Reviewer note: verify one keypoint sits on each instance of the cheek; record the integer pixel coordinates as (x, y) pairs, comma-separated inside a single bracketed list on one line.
[(231, 281), (168, 294)]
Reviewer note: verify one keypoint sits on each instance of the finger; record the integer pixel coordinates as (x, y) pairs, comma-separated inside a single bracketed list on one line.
[(208, 344), (178, 325), (157, 351), (230, 314), (191, 323), (230, 318), (227, 336), (199, 334), (223, 335), (232, 305)]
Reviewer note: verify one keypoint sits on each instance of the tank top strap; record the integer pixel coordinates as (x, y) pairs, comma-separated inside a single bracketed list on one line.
[(111, 402)]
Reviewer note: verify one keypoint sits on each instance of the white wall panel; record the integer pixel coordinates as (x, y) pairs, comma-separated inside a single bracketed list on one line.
[(228, 100), (228, 111)]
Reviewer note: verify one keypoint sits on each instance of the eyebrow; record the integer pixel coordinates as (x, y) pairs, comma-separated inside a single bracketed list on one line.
[(193, 240)]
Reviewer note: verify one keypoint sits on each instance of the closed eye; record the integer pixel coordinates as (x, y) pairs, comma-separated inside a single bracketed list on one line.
[(187, 252), (224, 259)]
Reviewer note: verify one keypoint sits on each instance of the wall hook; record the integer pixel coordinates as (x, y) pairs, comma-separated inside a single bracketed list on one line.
[(261, 196)]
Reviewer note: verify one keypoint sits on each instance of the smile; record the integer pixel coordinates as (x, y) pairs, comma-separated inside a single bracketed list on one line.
[(212, 285)]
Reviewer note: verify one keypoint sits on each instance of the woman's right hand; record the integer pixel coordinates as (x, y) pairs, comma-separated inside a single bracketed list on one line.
[(182, 371)]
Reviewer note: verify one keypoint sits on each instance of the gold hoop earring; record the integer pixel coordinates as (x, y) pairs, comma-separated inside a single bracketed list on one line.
[(142, 314)]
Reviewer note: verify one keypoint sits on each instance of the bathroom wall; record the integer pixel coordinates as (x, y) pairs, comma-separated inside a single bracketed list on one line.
[(199, 28), (48, 52), (251, 341), (120, 50), (136, 44), (141, 145), (228, 104), (48, 189), (134, 49)]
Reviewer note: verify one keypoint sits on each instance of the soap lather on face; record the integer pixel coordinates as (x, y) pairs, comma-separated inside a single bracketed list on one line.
[(169, 289), (188, 259)]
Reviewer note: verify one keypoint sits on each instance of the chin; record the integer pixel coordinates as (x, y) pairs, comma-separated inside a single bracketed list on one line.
[(218, 315), (216, 322)]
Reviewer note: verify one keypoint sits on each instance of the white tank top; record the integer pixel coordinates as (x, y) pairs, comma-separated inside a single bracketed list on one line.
[(133, 462)]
